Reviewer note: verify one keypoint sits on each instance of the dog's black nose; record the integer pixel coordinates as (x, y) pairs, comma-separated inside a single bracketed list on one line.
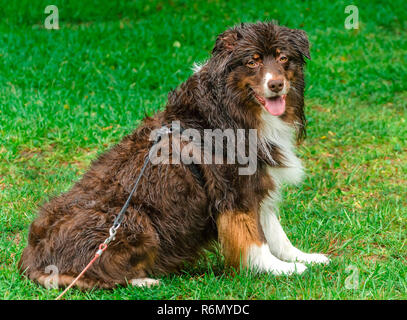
[(276, 85)]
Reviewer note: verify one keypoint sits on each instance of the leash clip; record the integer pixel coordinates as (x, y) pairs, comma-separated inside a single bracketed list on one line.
[(112, 234)]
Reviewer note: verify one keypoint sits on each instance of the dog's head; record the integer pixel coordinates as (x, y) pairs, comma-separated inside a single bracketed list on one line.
[(264, 63)]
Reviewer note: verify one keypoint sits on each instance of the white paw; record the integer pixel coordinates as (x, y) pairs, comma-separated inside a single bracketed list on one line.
[(288, 268), (313, 258), (144, 282), (300, 268), (260, 259)]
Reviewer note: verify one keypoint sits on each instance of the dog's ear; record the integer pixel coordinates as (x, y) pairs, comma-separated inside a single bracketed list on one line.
[(226, 41), (301, 41)]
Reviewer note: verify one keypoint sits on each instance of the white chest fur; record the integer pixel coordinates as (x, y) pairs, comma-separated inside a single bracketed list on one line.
[(277, 256), (281, 134)]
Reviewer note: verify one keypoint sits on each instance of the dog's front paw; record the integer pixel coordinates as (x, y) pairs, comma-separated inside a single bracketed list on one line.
[(288, 268), (313, 258)]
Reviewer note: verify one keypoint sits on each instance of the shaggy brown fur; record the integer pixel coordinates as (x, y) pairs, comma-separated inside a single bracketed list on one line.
[(173, 216)]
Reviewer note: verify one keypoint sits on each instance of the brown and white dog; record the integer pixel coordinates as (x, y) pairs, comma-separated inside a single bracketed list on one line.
[(253, 80)]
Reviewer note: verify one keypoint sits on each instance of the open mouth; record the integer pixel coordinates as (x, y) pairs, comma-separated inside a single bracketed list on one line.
[(274, 105)]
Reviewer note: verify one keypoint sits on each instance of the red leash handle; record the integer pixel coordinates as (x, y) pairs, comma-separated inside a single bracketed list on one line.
[(102, 248)]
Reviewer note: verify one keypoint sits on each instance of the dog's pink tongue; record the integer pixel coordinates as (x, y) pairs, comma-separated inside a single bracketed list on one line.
[(276, 106)]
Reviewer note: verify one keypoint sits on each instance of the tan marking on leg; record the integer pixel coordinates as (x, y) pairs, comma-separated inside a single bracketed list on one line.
[(237, 232)]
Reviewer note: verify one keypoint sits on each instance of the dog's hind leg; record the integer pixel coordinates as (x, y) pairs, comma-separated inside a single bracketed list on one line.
[(54, 280), (243, 243), (144, 282)]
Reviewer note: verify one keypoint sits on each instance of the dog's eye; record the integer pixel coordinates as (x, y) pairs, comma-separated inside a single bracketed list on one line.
[(252, 64), (283, 59)]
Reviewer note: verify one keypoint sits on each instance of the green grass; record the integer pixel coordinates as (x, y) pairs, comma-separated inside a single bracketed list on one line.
[(67, 95)]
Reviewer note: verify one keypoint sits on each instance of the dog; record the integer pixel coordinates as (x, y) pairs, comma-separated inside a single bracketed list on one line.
[(254, 80)]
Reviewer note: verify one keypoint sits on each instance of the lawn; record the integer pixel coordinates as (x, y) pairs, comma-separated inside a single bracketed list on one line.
[(67, 95)]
